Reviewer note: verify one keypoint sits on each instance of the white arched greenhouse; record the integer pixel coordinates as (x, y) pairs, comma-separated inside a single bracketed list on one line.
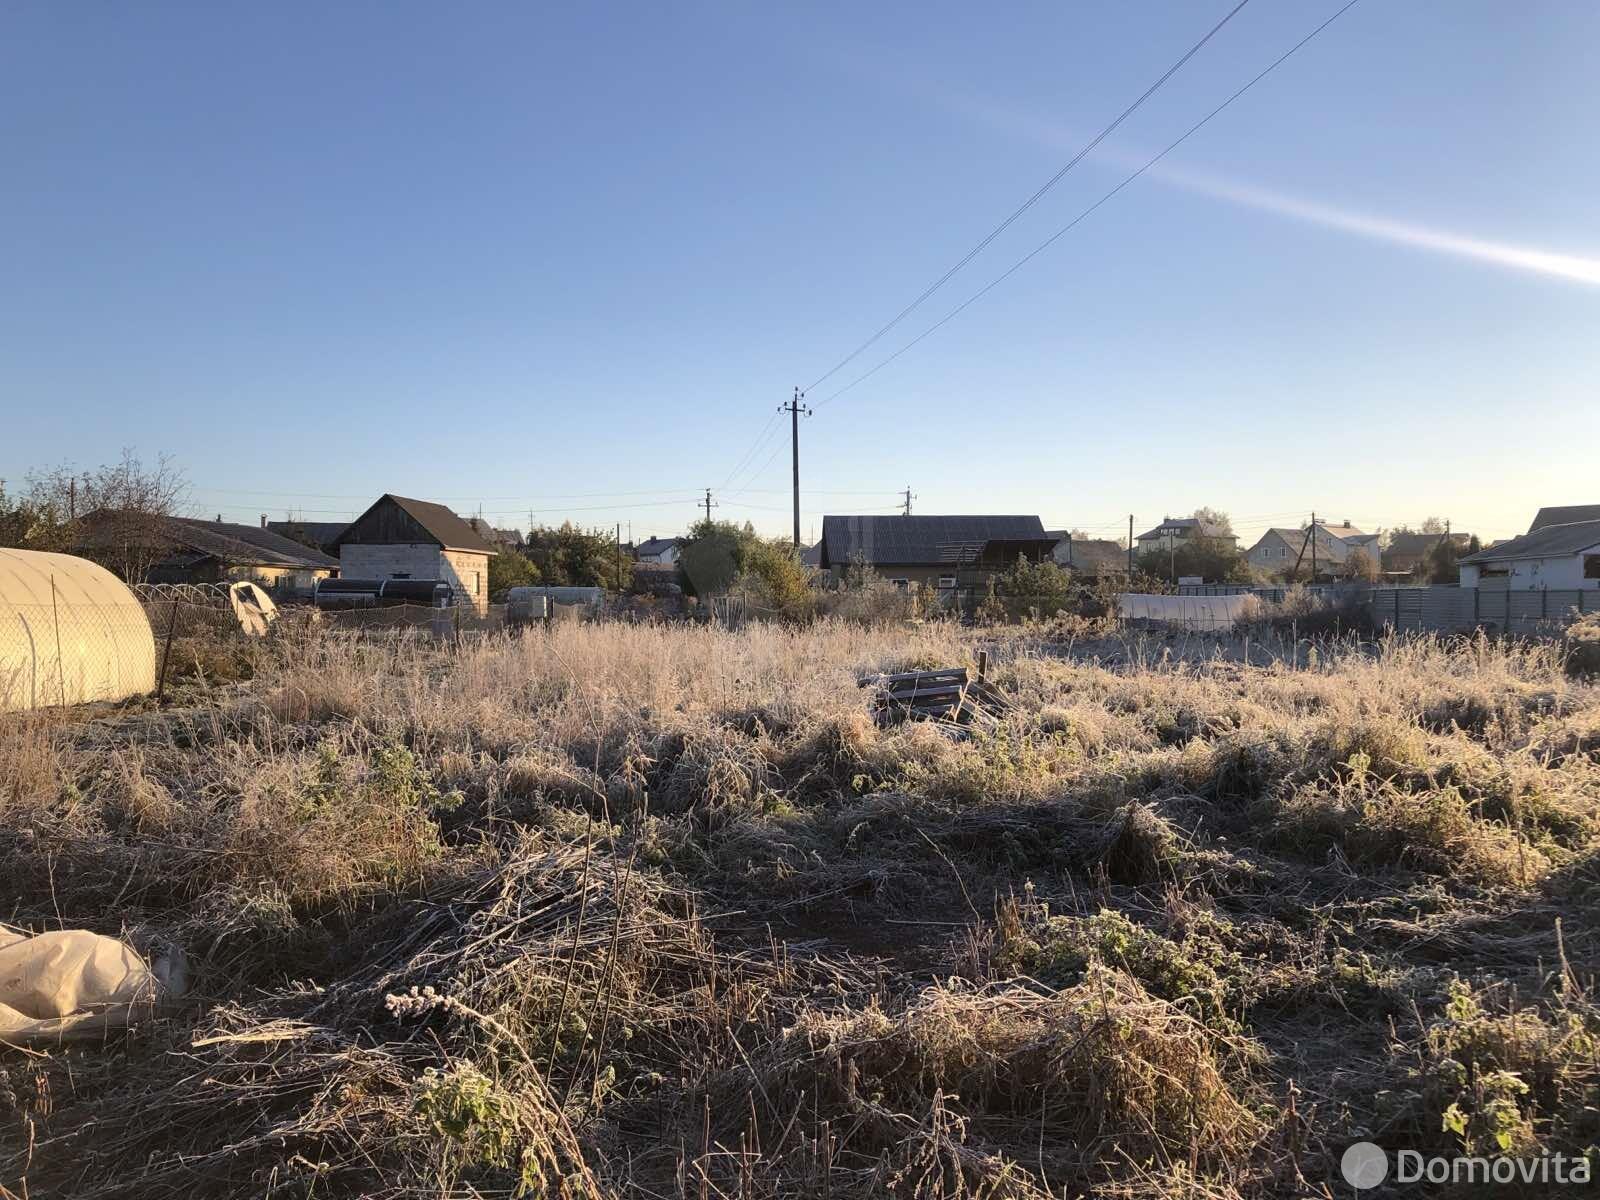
[(70, 632)]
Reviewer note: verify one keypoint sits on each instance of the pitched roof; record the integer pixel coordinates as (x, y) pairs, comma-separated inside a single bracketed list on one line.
[(655, 545), (1209, 529), (1330, 548), (322, 533), (1564, 514), (1096, 554), (1422, 543), (1551, 541), (915, 540), (440, 524), (245, 544)]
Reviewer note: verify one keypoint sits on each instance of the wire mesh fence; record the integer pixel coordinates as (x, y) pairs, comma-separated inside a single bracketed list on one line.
[(72, 653)]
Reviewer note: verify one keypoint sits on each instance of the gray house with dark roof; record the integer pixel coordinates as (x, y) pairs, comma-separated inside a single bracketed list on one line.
[(402, 538), (932, 551), (1565, 556)]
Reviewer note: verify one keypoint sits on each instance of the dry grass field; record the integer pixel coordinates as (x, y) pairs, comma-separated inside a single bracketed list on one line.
[(648, 911)]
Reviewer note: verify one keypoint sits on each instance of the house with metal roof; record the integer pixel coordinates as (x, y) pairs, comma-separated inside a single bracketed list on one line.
[(932, 551), (402, 538), (1563, 556)]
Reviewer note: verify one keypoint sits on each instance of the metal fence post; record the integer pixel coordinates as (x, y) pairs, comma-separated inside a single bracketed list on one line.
[(166, 651), (61, 668)]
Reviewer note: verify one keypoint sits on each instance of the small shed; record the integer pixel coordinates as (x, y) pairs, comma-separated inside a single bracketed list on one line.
[(70, 633)]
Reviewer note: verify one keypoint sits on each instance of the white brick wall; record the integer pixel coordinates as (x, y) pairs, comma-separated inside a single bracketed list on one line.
[(467, 573)]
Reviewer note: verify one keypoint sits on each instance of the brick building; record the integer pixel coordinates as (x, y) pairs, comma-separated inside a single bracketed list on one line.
[(400, 538)]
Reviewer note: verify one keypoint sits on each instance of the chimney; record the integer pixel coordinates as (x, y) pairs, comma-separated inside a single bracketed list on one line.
[(219, 518), (263, 520)]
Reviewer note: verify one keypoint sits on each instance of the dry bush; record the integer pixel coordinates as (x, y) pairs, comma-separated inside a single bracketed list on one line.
[(1107, 1067)]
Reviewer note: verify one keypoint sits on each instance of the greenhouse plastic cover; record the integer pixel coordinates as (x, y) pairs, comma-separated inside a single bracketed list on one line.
[(70, 632)]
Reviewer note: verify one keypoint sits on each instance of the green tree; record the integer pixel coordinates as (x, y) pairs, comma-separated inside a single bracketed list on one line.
[(1216, 560), (718, 557), (572, 557), (1043, 586), (508, 569), (1358, 564), (1441, 564)]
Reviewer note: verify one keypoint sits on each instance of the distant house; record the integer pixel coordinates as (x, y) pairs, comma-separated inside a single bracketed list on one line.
[(1280, 551), (221, 551), (502, 539), (811, 556), (1173, 532), (933, 552), (1407, 553), (401, 538), (1088, 556), (1564, 514), (1562, 556), (657, 550), (321, 534)]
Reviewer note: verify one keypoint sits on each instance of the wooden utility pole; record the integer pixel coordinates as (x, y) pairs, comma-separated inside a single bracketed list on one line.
[(1130, 545), (1294, 576), (908, 499), (710, 504), (1313, 546), (619, 557), (795, 408)]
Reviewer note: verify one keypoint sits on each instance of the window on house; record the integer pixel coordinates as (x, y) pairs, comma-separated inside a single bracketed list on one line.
[(400, 575), (476, 576), (903, 584), (1591, 566), (947, 581)]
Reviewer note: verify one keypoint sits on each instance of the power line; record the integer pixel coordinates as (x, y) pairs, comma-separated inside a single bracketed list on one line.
[(1033, 199), (772, 419), (1072, 224)]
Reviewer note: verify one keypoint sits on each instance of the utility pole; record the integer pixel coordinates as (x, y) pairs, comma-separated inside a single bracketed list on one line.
[(908, 499), (72, 498), (1313, 546), (1130, 546), (710, 504), (619, 557), (794, 408)]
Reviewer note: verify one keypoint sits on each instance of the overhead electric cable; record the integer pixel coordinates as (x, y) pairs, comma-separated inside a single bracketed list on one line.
[(1072, 224), (1033, 199)]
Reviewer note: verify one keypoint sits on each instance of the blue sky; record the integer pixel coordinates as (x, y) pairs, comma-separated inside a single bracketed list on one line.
[(570, 259)]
